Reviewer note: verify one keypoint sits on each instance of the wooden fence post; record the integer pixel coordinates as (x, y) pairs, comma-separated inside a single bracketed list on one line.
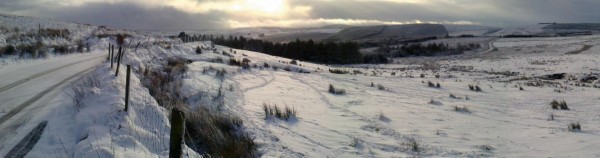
[(120, 54), (108, 57), (112, 56), (112, 51), (177, 121), (128, 79)]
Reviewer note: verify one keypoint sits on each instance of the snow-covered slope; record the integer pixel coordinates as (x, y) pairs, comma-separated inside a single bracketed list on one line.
[(502, 121), (386, 111)]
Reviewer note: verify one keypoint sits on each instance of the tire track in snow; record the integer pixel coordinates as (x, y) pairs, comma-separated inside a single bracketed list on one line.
[(266, 83), (396, 135), (25, 104), (382, 128), (14, 84), (9, 130), (259, 128)]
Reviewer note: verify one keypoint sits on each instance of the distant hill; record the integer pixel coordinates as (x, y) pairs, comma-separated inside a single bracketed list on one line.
[(410, 31), (475, 30), (574, 26), (304, 36), (550, 29)]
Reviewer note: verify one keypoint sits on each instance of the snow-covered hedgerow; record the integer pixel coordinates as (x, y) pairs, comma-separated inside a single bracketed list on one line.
[(101, 127)]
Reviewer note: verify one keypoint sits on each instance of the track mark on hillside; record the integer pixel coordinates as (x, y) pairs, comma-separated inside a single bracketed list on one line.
[(378, 127), (267, 82), (583, 49)]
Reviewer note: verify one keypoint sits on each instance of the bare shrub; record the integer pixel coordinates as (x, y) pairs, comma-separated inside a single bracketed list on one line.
[(82, 89), (414, 144), (221, 73), (477, 89), (77, 96), (356, 72), (485, 147), (217, 60), (217, 134)]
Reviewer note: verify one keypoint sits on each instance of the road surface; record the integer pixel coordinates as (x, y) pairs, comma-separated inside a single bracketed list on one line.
[(26, 88)]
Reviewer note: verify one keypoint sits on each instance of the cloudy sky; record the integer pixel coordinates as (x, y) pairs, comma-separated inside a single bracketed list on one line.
[(222, 14)]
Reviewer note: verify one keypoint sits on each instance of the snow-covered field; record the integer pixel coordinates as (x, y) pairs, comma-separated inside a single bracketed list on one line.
[(386, 111), (503, 121)]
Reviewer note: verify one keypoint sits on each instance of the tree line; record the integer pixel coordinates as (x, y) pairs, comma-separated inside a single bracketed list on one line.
[(318, 52), (430, 49)]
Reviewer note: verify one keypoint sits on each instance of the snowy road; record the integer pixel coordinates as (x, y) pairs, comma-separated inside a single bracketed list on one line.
[(26, 89)]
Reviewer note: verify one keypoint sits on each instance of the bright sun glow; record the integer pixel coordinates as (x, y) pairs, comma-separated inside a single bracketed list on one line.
[(267, 6)]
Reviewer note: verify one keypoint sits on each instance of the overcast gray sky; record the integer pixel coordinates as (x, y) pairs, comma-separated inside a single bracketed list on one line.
[(219, 14)]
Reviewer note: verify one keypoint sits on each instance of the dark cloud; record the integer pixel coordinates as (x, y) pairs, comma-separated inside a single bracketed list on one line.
[(487, 12), (126, 15), (132, 16)]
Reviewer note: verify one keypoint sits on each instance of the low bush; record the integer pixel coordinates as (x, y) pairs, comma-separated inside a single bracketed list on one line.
[(198, 50), (475, 88), (235, 62), (380, 87), (556, 105), (338, 71), (336, 91), (217, 134), (8, 50), (275, 111), (574, 127), (383, 118), (430, 84), (453, 96)]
